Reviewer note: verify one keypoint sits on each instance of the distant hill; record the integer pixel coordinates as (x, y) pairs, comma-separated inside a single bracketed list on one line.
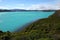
[(14, 10), (48, 10)]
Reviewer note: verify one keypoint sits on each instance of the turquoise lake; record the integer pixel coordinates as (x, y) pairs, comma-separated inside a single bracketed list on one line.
[(12, 21)]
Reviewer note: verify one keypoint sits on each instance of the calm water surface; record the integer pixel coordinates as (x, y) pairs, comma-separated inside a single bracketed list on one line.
[(11, 21)]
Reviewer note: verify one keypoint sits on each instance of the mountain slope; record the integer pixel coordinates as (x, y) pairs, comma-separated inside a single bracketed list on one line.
[(46, 28)]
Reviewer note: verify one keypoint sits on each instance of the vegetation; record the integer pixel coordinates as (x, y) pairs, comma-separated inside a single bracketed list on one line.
[(43, 29)]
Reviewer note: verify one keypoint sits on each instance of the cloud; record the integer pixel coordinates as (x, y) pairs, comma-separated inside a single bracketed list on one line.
[(3, 7), (15, 6), (44, 7), (18, 6)]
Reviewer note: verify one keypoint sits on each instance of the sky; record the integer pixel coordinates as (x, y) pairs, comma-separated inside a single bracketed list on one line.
[(30, 4)]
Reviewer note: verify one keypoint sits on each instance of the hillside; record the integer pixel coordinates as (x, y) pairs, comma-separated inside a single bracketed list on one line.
[(46, 28), (43, 29)]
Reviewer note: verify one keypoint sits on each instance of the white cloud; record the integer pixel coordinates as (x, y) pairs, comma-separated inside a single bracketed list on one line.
[(15, 6), (34, 7), (44, 7), (3, 7), (19, 6)]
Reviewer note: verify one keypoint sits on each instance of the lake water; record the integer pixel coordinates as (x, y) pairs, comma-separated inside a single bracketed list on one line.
[(12, 21)]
